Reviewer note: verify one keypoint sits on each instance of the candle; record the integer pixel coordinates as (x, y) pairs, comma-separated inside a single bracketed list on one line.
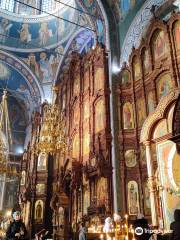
[(126, 217)]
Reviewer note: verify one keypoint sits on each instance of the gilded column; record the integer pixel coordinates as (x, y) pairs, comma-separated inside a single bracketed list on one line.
[(151, 184)]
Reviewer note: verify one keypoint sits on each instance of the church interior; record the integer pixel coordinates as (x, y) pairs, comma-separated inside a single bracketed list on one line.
[(92, 137)]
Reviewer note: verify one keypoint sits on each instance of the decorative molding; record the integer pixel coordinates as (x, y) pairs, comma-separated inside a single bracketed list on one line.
[(158, 114)]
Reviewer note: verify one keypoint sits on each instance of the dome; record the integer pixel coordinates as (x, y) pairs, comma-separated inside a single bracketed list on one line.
[(35, 7)]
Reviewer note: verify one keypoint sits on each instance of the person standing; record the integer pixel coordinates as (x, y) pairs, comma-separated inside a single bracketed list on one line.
[(16, 229), (82, 232), (175, 226)]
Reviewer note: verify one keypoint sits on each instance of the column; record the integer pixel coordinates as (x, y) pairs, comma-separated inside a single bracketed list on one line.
[(151, 184)]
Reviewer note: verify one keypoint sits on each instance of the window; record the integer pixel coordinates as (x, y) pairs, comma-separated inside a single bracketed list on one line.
[(7, 5), (30, 7)]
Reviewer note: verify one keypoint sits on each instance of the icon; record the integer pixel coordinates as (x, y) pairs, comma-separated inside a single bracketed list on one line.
[(139, 231)]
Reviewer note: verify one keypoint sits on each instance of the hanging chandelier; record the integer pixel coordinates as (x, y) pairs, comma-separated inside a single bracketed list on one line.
[(53, 131), (5, 139)]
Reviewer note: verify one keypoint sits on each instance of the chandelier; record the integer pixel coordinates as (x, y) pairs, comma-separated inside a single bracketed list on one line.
[(5, 139), (53, 131)]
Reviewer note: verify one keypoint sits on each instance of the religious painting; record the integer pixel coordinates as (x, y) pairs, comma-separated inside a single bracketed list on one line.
[(42, 161), (161, 129), (76, 115), (23, 178), (143, 155), (99, 79), (99, 116), (130, 158), (147, 204), (146, 61), (133, 198), (39, 208), (164, 85), (76, 86), (10, 195), (168, 163), (160, 45), (76, 146), (125, 78), (102, 191), (128, 116), (86, 139), (86, 202), (177, 34), (86, 80), (136, 68), (40, 188), (151, 102), (170, 119), (86, 110), (141, 111)]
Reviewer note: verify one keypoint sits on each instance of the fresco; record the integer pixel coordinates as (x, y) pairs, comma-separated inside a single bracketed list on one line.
[(161, 129), (146, 61), (127, 5), (34, 33), (147, 204)]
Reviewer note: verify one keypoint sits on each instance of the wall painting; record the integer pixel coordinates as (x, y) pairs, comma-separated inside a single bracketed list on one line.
[(130, 158), (151, 103), (128, 116), (177, 34), (168, 163), (42, 162), (39, 207), (164, 85), (125, 78), (76, 147), (99, 116), (160, 45), (146, 61), (136, 68), (102, 191), (99, 79), (141, 111), (133, 198), (147, 204), (161, 129), (40, 188)]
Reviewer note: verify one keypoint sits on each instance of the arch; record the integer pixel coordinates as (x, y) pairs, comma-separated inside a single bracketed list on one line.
[(133, 38), (176, 124), (157, 115), (31, 80)]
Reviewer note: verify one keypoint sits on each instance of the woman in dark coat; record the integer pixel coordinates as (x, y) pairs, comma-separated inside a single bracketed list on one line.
[(16, 229), (175, 226)]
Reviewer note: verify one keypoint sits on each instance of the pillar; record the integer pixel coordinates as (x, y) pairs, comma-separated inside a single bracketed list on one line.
[(151, 184)]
